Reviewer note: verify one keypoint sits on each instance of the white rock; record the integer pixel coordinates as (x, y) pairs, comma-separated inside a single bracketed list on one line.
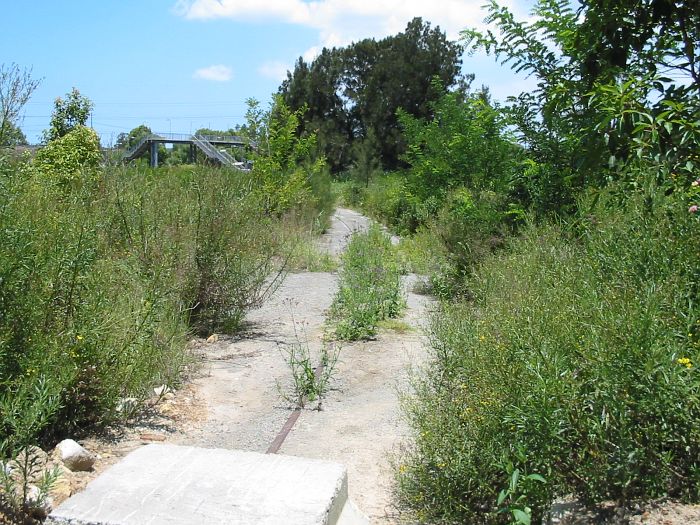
[(37, 457), (75, 457), (127, 404), (39, 505), (161, 390)]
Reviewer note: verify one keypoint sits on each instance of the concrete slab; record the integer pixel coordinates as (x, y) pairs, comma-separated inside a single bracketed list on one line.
[(169, 484)]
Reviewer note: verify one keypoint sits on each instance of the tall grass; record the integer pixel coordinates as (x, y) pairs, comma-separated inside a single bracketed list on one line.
[(102, 281), (575, 361)]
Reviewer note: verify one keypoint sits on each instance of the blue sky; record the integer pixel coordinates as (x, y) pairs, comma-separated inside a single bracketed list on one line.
[(181, 65)]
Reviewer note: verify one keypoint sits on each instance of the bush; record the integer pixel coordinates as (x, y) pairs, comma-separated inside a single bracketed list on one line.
[(470, 227), (389, 200), (286, 178), (466, 225), (236, 244), (575, 362), (322, 202), (71, 157), (422, 253), (369, 289), (101, 284)]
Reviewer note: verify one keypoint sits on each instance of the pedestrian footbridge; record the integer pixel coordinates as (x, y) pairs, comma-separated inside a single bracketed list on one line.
[(209, 145)]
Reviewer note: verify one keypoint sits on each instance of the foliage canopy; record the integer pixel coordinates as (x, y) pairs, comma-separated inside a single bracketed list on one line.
[(16, 87), (68, 113), (353, 93)]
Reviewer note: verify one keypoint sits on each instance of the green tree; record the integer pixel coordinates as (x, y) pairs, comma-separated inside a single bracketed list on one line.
[(463, 144), (549, 119), (318, 86), (284, 169), (395, 73), (598, 72), (16, 87), (12, 135), (356, 91), (620, 37), (68, 113), (72, 157), (218, 132), (131, 139), (365, 163), (461, 164)]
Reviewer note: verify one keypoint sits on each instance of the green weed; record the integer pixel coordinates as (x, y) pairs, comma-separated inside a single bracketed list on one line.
[(25, 481), (302, 246), (395, 325), (575, 361), (102, 280), (310, 379), (369, 289)]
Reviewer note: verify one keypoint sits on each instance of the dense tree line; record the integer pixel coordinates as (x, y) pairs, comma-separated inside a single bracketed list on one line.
[(352, 94)]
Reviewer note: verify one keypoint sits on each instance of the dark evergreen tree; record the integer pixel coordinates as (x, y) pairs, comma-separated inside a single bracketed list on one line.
[(356, 91)]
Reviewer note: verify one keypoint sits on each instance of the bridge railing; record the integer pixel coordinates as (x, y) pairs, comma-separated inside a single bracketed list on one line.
[(209, 138), (210, 151), (196, 139), (131, 151), (224, 138), (230, 160), (173, 136)]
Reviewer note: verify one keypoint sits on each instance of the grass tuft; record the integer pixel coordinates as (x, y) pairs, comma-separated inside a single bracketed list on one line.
[(369, 289)]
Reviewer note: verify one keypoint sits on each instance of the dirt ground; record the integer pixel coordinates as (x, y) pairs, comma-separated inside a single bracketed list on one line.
[(359, 423), (234, 400)]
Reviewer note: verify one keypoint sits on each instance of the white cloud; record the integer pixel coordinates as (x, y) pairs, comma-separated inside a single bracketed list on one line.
[(288, 10), (217, 73), (310, 54), (340, 22), (274, 70)]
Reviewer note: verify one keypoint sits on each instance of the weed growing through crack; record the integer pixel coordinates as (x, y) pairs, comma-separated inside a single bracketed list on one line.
[(309, 383), (369, 290)]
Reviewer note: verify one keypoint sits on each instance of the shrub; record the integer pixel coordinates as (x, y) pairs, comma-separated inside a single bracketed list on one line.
[(286, 177), (236, 244), (574, 362), (322, 202), (369, 289), (77, 314), (70, 157), (471, 226), (422, 253), (389, 200), (101, 284)]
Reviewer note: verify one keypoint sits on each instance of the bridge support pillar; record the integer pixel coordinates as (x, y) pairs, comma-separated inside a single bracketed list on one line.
[(154, 154), (193, 154)]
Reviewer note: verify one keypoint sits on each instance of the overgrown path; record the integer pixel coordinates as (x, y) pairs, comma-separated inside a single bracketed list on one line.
[(359, 424)]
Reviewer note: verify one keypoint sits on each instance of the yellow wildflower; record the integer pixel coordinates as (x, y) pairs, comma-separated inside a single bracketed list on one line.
[(684, 361)]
